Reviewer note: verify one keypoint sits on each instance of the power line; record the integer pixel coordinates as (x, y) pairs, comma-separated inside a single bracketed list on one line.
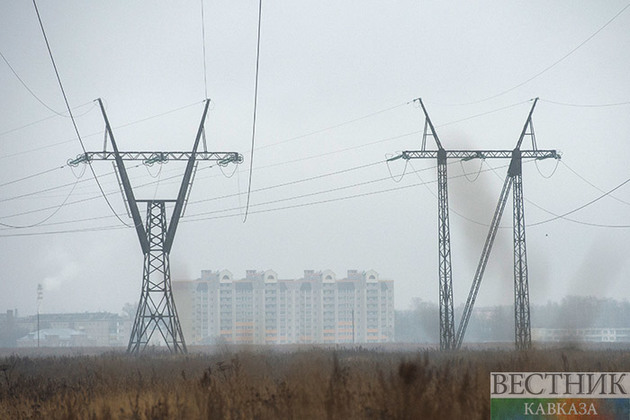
[(46, 218), (282, 163), (264, 189), (331, 199), (203, 43), (39, 149), (332, 127), (273, 144), (591, 184), (238, 194), (294, 182), (16, 197), (484, 113), (579, 222), (230, 195), (72, 202), (552, 65), (381, 111), (343, 171), (74, 123), (91, 134), (196, 103), (32, 193), (58, 232), (195, 218), (28, 88), (556, 216), (31, 176), (297, 197), (273, 165), (188, 219), (154, 116), (562, 216), (315, 202), (455, 211), (65, 222), (586, 105), (323, 154), (251, 157), (29, 125), (52, 207), (382, 140), (60, 114), (342, 188)]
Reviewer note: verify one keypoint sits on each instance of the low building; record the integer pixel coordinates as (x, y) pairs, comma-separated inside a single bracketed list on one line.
[(101, 329), (56, 337), (10, 331), (581, 335)]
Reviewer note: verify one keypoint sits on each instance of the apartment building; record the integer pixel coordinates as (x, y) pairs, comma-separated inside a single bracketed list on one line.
[(263, 309)]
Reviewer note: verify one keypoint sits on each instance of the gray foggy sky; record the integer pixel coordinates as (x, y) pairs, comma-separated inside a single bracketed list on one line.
[(327, 70)]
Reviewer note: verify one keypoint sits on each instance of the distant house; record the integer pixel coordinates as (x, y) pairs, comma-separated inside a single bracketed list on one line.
[(582, 335), (55, 337), (9, 330), (101, 329)]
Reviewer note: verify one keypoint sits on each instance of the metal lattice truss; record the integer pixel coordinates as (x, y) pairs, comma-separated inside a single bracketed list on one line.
[(447, 316), (149, 158), (448, 338), (522, 329), (478, 154), (156, 310)]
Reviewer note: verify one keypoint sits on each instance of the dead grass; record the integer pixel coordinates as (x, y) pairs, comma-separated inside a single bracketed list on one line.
[(305, 384)]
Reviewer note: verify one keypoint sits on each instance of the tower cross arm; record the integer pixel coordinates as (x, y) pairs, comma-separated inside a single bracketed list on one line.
[(153, 157), (478, 154)]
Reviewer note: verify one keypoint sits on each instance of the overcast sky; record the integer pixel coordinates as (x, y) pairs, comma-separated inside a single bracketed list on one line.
[(337, 80)]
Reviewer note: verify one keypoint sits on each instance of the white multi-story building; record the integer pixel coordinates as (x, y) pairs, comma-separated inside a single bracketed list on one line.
[(262, 309)]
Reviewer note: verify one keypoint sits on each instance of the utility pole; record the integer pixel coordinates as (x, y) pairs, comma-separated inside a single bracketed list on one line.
[(40, 297), (448, 339), (353, 339), (156, 310)]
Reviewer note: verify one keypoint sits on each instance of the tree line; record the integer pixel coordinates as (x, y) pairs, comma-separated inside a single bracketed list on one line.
[(420, 324)]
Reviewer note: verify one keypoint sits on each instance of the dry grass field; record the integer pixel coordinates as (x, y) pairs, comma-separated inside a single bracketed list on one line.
[(264, 384)]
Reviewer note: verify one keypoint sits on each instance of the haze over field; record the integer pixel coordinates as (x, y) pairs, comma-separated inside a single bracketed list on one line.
[(336, 87)]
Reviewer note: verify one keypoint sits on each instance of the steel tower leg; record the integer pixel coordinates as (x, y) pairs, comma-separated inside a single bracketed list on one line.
[(483, 261), (522, 327), (156, 310), (447, 321)]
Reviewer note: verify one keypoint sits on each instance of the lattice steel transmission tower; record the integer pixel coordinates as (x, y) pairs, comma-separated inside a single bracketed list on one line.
[(156, 310), (448, 339), (445, 274)]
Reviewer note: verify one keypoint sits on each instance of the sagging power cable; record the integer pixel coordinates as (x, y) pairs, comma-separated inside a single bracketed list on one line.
[(74, 123), (45, 219), (251, 156), (550, 66)]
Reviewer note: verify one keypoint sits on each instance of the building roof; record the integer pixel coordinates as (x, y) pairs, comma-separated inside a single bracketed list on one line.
[(62, 333), (76, 317)]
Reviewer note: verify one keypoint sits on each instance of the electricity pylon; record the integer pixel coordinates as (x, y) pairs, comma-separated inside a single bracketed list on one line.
[(445, 274), (448, 339), (156, 309)]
